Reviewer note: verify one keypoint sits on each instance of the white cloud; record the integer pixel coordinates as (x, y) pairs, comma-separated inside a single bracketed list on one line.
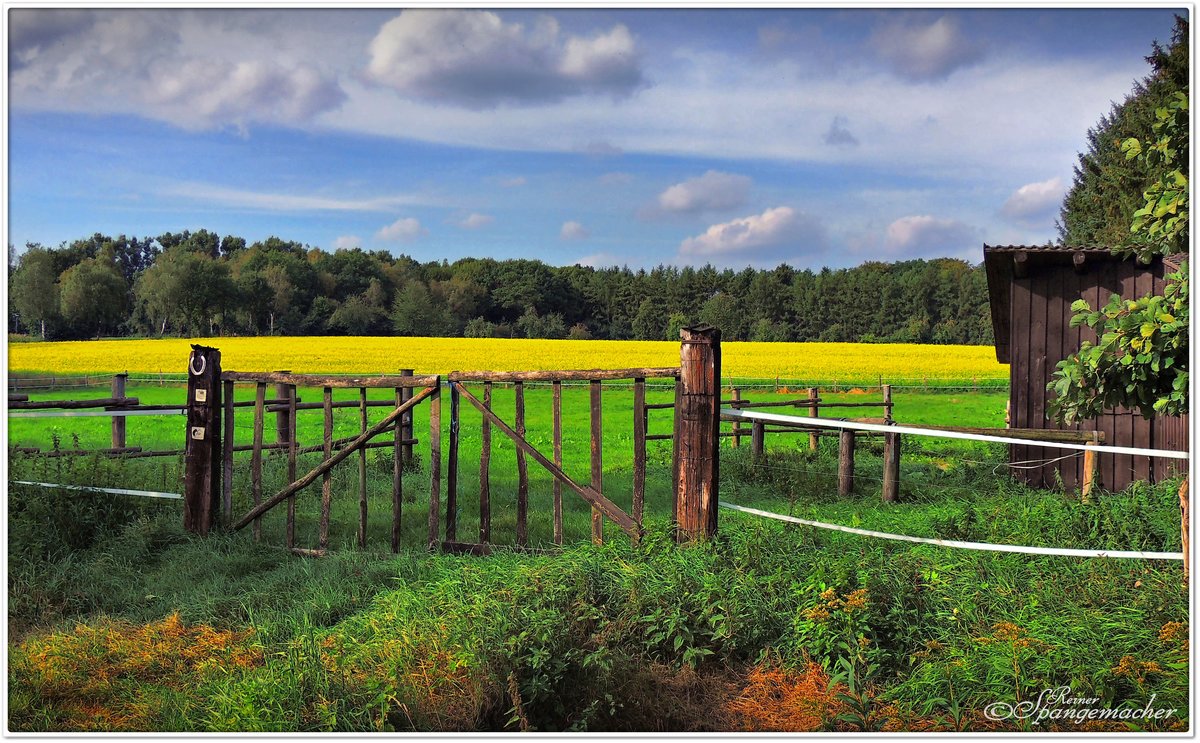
[(158, 64), (573, 231), (405, 229), (345, 242), (1034, 203), (515, 182), (474, 59), (476, 221), (925, 52), (266, 201), (756, 237), (598, 260), (927, 236), (710, 192)]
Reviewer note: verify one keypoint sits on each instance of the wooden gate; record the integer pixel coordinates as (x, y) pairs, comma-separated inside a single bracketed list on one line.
[(410, 391), (593, 491)]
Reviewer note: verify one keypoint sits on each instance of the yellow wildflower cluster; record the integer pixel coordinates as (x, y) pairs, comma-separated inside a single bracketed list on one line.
[(1173, 633), (1135, 669), (831, 602), (828, 362), (1014, 635)]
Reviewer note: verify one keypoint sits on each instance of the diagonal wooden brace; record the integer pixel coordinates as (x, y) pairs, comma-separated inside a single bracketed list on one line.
[(607, 507), (338, 456)]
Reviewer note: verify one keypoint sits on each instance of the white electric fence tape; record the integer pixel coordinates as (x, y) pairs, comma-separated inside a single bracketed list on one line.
[(964, 545), (91, 489), (834, 423)]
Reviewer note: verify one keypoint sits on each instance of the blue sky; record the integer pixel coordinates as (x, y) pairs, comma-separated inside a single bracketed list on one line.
[(636, 137)]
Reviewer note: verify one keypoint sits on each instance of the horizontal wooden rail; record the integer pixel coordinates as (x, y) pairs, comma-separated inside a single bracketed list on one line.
[(102, 402), (282, 406), (34, 451), (583, 375), (316, 380)]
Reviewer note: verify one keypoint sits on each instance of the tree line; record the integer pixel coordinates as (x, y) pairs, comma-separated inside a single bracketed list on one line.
[(199, 284)]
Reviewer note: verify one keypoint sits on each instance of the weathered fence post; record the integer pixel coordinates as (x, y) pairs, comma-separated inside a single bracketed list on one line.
[(737, 424), (118, 422), (846, 462), (888, 418), (283, 421), (1089, 472), (891, 467), (813, 412), (698, 418), (758, 440), (202, 475)]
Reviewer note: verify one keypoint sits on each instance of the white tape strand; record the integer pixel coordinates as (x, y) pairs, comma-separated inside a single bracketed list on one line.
[(91, 489), (854, 425), (983, 546), (92, 413)]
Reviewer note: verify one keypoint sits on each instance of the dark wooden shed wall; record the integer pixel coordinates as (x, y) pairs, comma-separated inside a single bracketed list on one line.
[(1040, 336)]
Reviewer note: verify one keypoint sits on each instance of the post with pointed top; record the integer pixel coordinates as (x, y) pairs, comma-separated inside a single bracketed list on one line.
[(202, 475), (697, 424)]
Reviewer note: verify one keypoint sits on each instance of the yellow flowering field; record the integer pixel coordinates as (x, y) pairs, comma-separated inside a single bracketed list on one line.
[(843, 362)]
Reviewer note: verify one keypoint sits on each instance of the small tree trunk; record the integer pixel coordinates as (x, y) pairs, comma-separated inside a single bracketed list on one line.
[(43, 328)]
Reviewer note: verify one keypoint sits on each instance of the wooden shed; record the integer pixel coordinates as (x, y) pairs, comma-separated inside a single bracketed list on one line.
[(1031, 290)]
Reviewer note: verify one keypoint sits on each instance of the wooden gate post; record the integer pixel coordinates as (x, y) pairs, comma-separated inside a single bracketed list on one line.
[(698, 419), (202, 463)]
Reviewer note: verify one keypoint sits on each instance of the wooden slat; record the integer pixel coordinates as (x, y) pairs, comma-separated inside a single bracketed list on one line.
[(607, 507), (362, 470), (452, 471), (557, 434), (1040, 285), (639, 449), (317, 380), (293, 445), (597, 459), (260, 395), (326, 477), (227, 456), (397, 474), (435, 460), (522, 469), (311, 476), (485, 466), (578, 375), (407, 421), (1143, 285)]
